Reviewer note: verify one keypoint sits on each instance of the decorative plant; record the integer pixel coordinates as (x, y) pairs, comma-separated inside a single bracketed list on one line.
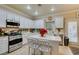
[(43, 31)]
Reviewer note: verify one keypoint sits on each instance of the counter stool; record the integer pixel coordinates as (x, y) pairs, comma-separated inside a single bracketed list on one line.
[(32, 43), (44, 46)]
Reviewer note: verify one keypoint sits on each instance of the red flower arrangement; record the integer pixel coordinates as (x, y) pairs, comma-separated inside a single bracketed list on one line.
[(43, 31)]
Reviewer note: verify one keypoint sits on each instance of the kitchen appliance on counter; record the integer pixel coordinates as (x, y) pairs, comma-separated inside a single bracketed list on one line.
[(15, 41)]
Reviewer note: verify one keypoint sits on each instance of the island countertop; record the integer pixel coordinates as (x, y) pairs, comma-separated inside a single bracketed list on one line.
[(47, 37)]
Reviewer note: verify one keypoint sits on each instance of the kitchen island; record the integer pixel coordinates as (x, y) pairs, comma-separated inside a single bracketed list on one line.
[(54, 41)]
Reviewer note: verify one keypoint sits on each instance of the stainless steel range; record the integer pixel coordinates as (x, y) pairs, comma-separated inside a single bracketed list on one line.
[(15, 42)]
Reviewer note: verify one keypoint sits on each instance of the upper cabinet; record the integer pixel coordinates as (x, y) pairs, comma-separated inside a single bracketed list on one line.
[(17, 18), (26, 23), (13, 16), (39, 23), (50, 25), (10, 15), (59, 21), (2, 17), (30, 23), (22, 22), (6, 14)]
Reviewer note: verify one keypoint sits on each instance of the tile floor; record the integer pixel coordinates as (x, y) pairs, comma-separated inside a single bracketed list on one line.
[(63, 50)]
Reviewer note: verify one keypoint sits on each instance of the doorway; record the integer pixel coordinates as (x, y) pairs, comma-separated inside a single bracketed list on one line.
[(72, 30)]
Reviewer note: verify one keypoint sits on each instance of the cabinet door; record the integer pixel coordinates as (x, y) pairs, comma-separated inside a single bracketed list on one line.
[(24, 39), (10, 15), (3, 44), (17, 18), (59, 22), (35, 24), (2, 22), (22, 22), (39, 24), (25, 23), (0, 46), (2, 18), (2, 12), (30, 23)]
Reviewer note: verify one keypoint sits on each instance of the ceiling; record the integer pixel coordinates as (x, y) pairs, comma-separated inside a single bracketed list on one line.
[(44, 9)]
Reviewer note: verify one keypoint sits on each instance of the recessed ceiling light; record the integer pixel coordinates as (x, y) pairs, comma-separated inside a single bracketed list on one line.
[(52, 9), (28, 7)]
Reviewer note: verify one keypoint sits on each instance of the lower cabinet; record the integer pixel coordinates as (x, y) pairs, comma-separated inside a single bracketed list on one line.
[(3, 44), (24, 39)]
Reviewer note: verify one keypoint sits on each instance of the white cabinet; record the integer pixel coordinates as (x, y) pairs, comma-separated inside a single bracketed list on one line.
[(14, 17), (10, 15), (25, 23), (3, 44), (7, 14), (2, 17), (30, 23), (39, 23), (2, 22), (24, 39), (22, 23), (17, 17), (59, 21)]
